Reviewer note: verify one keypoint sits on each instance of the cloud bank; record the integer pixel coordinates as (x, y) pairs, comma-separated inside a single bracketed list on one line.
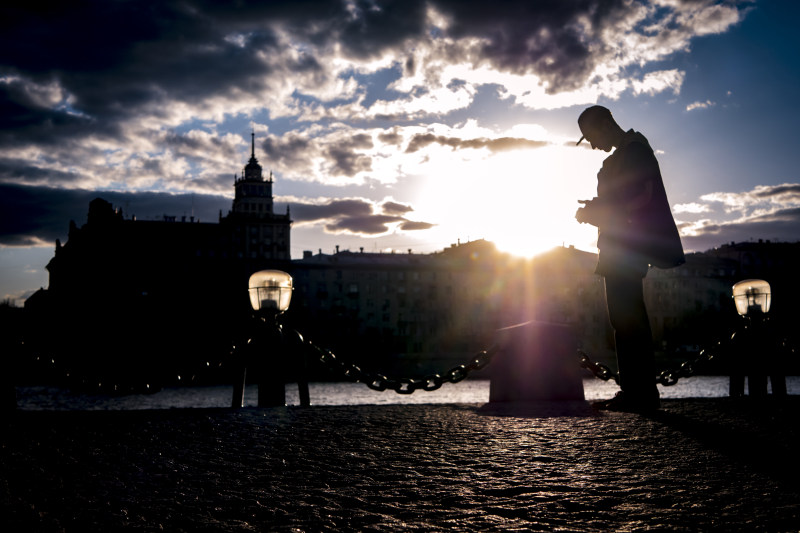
[(139, 100), (766, 211)]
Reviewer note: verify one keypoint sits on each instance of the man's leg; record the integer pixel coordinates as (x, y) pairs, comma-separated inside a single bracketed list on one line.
[(632, 336)]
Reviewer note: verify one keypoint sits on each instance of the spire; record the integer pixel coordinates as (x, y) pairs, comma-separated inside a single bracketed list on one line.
[(252, 171)]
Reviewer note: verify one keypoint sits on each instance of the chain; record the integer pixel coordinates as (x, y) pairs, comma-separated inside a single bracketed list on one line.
[(599, 370), (667, 378), (687, 368), (379, 382)]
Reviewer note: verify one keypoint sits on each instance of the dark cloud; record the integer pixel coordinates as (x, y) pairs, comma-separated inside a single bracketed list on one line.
[(369, 225), (204, 144), (410, 225), (330, 210), (14, 171), (115, 60), (109, 61), (288, 150), (778, 191), (780, 226), (345, 157), (356, 216), (30, 215), (501, 144), (391, 137), (348, 163), (395, 208)]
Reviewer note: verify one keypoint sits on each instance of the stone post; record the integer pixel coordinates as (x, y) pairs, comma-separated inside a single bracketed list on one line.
[(537, 361)]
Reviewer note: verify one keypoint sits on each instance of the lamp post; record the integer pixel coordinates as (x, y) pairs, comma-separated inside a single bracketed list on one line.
[(270, 295), (753, 343)]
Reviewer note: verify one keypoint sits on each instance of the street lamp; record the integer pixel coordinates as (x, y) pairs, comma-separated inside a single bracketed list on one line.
[(754, 345), (270, 292), (752, 297)]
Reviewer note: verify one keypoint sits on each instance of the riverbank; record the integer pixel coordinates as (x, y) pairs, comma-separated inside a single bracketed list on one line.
[(707, 464)]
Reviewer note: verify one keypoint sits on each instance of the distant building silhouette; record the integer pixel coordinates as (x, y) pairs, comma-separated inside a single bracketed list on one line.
[(428, 311), (125, 294), (257, 232)]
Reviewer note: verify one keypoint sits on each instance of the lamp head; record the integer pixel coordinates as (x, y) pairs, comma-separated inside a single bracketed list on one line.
[(752, 296), (270, 291)]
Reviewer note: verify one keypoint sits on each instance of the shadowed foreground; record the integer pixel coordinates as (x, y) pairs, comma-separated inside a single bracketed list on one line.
[(708, 464)]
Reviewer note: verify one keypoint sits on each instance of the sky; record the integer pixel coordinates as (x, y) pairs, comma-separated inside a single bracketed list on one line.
[(392, 125)]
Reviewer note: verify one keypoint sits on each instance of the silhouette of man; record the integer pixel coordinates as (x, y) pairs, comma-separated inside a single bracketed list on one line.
[(635, 231)]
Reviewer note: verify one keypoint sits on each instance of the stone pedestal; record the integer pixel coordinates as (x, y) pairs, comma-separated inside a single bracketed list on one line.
[(537, 361)]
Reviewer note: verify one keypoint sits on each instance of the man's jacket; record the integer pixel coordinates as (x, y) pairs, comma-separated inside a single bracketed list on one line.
[(631, 211)]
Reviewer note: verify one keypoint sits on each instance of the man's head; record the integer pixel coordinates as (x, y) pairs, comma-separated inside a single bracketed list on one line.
[(599, 128)]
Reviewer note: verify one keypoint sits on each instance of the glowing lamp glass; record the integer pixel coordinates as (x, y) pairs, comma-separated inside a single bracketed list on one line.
[(752, 295), (270, 290)]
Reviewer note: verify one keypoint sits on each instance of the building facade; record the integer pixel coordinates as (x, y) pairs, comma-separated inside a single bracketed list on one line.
[(126, 295), (429, 311)]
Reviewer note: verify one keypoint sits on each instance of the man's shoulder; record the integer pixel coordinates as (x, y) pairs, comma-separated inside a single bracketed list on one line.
[(636, 148), (635, 140)]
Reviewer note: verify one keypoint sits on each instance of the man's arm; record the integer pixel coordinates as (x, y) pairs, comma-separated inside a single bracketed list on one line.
[(637, 177)]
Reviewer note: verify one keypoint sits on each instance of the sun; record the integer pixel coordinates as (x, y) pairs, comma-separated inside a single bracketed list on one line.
[(524, 201)]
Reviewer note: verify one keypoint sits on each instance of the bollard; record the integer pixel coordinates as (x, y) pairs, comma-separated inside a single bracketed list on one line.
[(536, 361)]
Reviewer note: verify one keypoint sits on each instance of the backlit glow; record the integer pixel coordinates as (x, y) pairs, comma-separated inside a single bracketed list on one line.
[(524, 200)]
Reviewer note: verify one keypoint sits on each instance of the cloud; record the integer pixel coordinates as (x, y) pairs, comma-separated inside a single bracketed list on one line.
[(700, 105), (357, 216), (137, 97), (333, 209), (693, 207), (39, 215), (781, 225), (368, 225), (660, 81), (766, 211), (409, 225), (32, 216), (760, 197), (501, 144), (174, 62), (395, 208)]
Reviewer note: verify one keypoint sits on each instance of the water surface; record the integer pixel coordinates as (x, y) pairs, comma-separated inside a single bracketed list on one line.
[(339, 393)]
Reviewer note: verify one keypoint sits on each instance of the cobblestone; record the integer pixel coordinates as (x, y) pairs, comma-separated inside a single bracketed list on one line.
[(705, 464)]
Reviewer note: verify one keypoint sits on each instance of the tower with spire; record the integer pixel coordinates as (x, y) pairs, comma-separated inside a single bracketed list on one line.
[(259, 233), (253, 194)]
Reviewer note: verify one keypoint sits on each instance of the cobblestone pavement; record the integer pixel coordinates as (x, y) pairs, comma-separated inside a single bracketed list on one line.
[(706, 464)]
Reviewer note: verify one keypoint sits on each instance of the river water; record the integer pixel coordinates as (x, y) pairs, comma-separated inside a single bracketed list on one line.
[(338, 393)]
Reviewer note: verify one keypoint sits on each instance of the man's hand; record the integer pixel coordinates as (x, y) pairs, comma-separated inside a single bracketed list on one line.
[(592, 212), (581, 215)]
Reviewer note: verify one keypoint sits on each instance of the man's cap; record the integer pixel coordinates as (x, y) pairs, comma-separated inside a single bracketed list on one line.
[(592, 115)]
